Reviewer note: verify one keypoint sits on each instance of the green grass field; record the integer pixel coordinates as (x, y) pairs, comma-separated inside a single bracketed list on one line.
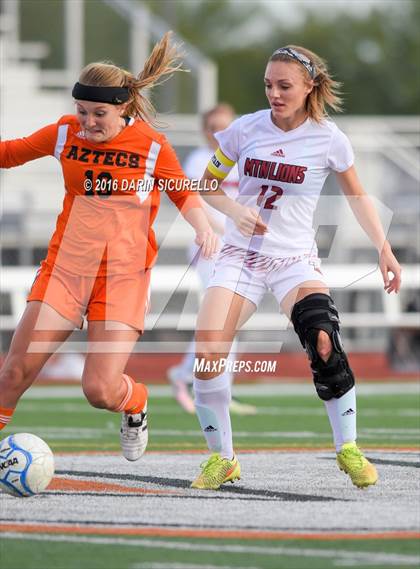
[(284, 421), (153, 554)]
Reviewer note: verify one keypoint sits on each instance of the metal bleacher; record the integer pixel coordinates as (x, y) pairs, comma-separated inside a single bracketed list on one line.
[(387, 156)]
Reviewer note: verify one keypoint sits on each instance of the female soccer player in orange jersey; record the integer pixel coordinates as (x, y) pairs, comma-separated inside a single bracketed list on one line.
[(101, 253)]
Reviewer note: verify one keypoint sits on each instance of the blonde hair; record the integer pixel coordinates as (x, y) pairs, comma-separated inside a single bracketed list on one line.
[(164, 60), (325, 93)]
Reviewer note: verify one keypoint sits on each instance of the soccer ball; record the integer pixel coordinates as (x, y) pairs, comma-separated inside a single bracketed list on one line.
[(26, 465)]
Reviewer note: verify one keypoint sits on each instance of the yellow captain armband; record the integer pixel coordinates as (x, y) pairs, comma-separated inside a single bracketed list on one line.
[(220, 165)]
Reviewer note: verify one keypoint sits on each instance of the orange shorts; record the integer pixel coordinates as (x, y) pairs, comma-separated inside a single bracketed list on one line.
[(116, 298)]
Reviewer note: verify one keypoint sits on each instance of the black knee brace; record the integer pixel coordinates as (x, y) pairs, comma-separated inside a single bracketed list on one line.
[(313, 313)]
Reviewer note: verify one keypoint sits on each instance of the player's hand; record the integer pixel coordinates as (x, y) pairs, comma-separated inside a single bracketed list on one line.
[(389, 264), (209, 242), (248, 221)]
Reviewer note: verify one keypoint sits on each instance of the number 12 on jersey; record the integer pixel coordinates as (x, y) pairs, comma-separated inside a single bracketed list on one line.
[(267, 201)]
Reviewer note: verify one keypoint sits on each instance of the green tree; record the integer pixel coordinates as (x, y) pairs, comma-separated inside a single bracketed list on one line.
[(375, 57)]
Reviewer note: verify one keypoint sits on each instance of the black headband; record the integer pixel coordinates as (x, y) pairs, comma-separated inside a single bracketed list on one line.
[(305, 61), (112, 95)]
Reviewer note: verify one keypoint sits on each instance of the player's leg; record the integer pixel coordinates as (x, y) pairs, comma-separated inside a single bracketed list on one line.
[(115, 312), (205, 270), (181, 376), (222, 314), (321, 340), (106, 386), (40, 323), (316, 321)]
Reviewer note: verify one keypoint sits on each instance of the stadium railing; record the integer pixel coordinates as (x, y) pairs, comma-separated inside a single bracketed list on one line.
[(174, 279)]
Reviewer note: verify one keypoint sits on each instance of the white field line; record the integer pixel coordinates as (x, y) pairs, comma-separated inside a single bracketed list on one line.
[(175, 410), (151, 565), (299, 411), (339, 557), (88, 433), (169, 565), (399, 431), (254, 390)]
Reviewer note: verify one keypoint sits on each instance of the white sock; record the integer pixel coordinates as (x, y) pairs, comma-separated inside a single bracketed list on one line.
[(212, 399), (342, 416)]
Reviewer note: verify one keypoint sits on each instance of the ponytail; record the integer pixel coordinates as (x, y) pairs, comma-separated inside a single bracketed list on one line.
[(164, 60)]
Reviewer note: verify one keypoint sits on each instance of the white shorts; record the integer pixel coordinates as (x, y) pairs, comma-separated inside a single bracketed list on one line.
[(251, 274), (204, 267)]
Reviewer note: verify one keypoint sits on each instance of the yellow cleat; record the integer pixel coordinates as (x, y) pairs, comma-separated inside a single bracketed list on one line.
[(361, 471), (216, 471)]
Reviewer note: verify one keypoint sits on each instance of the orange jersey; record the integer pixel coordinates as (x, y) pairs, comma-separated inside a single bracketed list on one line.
[(112, 194)]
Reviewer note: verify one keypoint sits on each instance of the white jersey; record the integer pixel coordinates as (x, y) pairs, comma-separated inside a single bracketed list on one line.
[(194, 168), (281, 174)]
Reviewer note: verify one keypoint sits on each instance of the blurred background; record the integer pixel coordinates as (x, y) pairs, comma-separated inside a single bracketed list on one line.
[(372, 47)]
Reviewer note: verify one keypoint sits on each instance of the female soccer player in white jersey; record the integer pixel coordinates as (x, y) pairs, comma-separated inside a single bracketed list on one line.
[(284, 155)]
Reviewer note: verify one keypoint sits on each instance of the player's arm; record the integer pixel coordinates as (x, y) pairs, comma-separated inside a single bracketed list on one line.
[(205, 237), (21, 150), (369, 220), (193, 212), (219, 228), (246, 219), (214, 224)]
